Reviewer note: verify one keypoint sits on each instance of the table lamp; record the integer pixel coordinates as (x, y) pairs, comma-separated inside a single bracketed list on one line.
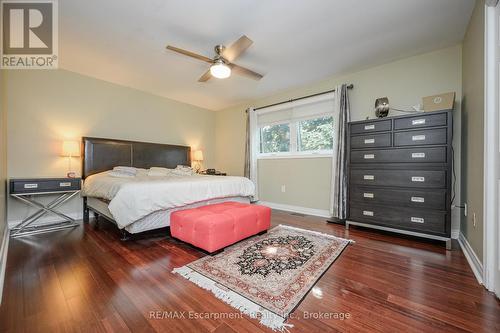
[(198, 158), (70, 149)]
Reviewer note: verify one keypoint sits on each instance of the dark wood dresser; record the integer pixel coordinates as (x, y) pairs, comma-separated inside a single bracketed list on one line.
[(400, 174)]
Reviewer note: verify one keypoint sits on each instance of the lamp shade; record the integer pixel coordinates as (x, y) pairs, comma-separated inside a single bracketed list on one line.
[(198, 155), (70, 148)]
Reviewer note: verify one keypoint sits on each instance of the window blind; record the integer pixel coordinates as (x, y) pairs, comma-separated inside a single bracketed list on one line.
[(307, 108)]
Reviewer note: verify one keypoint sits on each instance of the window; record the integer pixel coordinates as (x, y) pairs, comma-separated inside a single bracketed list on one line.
[(296, 131), (275, 138), (315, 134)]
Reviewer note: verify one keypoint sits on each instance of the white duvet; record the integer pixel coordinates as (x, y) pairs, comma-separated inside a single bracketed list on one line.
[(133, 198)]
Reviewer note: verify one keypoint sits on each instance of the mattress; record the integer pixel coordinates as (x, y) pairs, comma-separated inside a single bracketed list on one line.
[(133, 198), (158, 219)]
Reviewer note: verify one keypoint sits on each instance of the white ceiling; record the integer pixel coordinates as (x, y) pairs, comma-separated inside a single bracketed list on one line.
[(296, 42)]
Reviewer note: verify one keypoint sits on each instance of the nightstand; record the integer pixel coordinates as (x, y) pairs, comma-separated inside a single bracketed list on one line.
[(25, 190)]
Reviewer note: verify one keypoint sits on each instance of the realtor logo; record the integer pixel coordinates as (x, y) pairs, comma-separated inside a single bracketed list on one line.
[(29, 34)]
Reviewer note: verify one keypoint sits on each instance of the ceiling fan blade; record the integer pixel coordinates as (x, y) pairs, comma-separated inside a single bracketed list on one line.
[(189, 54), (246, 72), (237, 48), (205, 77)]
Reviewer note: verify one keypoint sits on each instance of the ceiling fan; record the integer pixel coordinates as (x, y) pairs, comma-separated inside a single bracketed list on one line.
[(222, 63)]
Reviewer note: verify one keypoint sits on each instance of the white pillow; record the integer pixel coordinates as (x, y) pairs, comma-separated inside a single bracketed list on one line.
[(120, 174), (126, 169), (182, 170), (159, 172)]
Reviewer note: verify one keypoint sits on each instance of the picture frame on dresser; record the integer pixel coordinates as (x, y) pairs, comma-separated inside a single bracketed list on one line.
[(400, 174)]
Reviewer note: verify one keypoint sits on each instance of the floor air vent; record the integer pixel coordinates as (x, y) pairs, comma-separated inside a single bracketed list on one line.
[(298, 214)]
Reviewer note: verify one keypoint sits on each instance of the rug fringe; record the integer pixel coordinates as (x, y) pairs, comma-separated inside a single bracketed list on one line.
[(253, 310), (316, 232)]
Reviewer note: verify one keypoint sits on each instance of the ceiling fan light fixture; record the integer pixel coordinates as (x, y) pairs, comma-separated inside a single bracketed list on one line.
[(220, 70)]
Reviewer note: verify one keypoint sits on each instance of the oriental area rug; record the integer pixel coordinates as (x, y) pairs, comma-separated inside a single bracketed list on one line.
[(266, 277)]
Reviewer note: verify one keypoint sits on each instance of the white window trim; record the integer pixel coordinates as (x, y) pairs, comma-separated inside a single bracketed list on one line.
[(311, 154)]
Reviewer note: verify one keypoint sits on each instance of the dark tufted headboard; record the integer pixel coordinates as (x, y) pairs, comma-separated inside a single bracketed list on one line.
[(103, 154)]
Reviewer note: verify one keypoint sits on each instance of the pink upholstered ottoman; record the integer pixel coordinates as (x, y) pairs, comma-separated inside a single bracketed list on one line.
[(214, 227)]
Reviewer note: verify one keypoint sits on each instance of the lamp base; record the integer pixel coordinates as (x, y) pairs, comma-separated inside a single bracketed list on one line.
[(197, 166)]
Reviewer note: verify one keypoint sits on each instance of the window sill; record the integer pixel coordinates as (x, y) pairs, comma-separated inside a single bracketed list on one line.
[(292, 156)]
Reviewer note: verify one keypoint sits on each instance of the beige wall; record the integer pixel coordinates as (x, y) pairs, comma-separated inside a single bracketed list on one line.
[(472, 129), (404, 82), (3, 156), (275, 173), (46, 107)]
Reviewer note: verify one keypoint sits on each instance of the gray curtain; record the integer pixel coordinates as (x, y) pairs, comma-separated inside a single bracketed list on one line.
[(339, 196), (247, 146)]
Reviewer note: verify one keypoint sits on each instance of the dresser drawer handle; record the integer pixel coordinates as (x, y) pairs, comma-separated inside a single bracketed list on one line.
[(65, 184), (417, 219), (367, 213), (417, 155), (30, 185), (368, 141), (369, 177), (417, 199), (418, 179), (418, 138), (418, 122), (369, 156), (369, 127), (368, 195)]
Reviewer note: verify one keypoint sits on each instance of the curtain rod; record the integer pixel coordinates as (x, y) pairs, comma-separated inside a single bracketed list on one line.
[(350, 86)]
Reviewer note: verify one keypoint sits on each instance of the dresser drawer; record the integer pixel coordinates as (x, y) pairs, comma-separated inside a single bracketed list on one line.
[(412, 155), (374, 126), (429, 199), (421, 137), (427, 120), (18, 186), (373, 140), (418, 220), (399, 178)]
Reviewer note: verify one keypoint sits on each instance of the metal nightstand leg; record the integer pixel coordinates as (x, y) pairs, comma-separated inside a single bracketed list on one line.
[(23, 228)]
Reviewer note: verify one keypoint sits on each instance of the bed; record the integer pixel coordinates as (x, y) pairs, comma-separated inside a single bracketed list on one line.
[(144, 203)]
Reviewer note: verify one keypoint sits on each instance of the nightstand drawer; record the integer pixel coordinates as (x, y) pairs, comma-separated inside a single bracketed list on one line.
[(374, 140), (421, 137), (44, 185)]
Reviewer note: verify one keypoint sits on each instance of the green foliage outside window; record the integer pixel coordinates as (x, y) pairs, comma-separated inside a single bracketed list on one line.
[(275, 138), (311, 135), (315, 134)]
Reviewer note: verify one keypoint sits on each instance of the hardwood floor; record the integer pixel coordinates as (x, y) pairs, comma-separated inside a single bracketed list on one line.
[(87, 280)]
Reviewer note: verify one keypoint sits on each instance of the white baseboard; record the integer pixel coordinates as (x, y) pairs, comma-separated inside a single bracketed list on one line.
[(296, 209), (48, 219), (4, 246), (470, 255)]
